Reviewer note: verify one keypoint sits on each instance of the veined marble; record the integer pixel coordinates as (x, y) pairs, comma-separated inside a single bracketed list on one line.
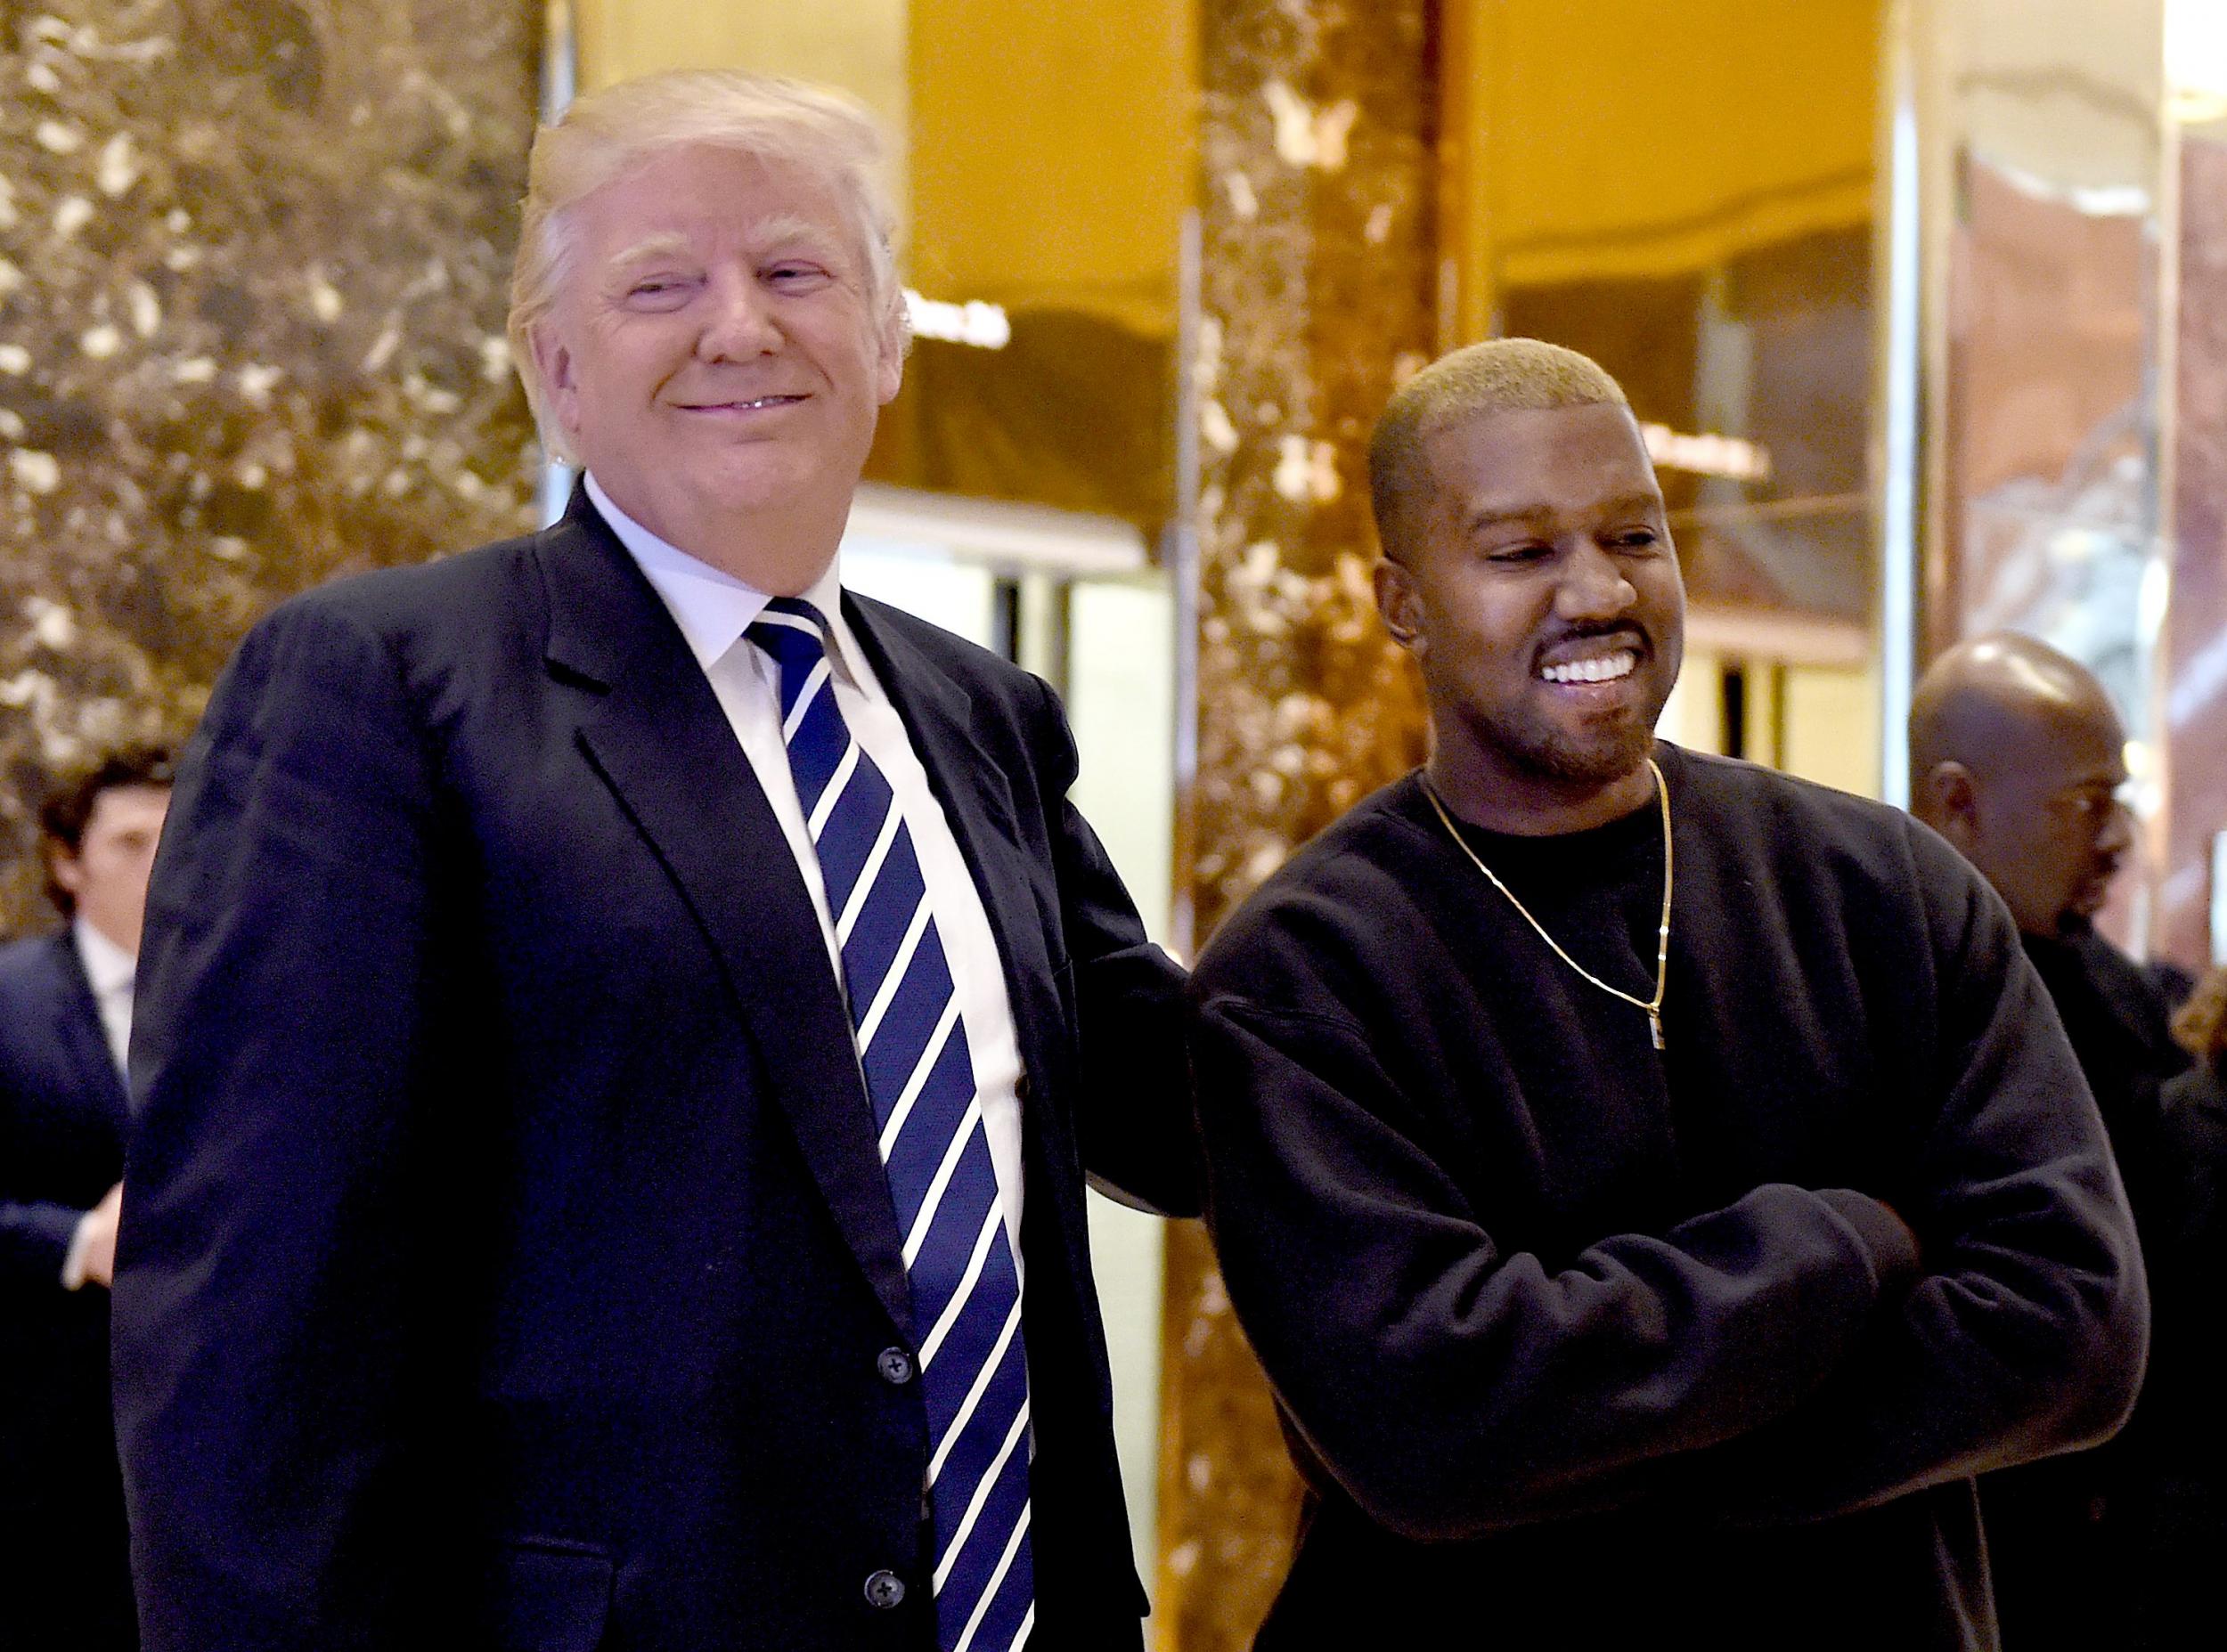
[(1320, 264), (253, 267)]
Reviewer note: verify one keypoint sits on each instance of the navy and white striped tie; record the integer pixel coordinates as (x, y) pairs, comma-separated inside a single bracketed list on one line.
[(921, 1079)]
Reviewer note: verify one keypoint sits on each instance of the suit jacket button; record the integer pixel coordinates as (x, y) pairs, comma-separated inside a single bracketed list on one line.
[(895, 1366), (883, 1591)]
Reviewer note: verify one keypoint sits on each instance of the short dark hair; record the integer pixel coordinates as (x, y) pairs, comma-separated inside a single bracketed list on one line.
[(63, 817)]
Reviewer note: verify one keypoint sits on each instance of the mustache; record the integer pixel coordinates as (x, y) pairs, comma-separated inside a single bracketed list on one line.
[(1620, 631)]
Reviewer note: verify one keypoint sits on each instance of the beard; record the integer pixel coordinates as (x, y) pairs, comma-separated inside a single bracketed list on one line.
[(1598, 755), (1611, 755)]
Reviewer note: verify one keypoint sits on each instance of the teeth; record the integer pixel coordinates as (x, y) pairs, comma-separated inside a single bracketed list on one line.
[(1604, 668)]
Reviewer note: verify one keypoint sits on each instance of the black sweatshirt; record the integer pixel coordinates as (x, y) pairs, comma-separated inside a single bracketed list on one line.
[(1579, 1343)]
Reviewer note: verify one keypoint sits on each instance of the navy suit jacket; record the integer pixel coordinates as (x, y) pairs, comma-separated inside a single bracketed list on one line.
[(63, 1117), (507, 1259)]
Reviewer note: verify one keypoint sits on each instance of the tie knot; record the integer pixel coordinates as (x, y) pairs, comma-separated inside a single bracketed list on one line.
[(793, 632)]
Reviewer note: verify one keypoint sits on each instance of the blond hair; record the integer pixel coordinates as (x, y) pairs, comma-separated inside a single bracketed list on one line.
[(2200, 1026), (1499, 375), (608, 134)]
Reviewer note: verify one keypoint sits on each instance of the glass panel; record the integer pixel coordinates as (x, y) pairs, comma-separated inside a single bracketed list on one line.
[(1721, 270)]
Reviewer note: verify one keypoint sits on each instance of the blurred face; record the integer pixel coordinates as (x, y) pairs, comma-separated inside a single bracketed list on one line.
[(713, 356), (1541, 599), (107, 878), (2047, 827)]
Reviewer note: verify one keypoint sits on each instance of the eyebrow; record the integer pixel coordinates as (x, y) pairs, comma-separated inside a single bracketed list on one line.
[(1491, 512), (788, 227), (777, 230), (664, 244)]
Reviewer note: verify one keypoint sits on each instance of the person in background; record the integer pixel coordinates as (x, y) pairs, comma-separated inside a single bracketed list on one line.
[(65, 1024), (1654, 1186), (2181, 1413), (626, 1021), (2016, 757)]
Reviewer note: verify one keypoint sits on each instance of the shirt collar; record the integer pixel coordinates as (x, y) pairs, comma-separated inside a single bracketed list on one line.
[(108, 967), (711, 607)]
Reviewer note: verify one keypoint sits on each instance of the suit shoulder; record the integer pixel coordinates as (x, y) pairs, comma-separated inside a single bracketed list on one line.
[(29, 962), (979, 667), (462, 593)]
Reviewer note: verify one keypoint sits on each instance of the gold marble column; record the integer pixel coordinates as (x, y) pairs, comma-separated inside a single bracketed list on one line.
[(1318, 289)]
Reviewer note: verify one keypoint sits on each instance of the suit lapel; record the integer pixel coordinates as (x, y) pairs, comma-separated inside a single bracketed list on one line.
[(654, 730), (79, 1031), (970, 784)]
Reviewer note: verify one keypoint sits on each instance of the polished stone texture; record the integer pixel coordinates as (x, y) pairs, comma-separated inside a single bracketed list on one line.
[(1318, 295), (253, 262), (2195, 644)]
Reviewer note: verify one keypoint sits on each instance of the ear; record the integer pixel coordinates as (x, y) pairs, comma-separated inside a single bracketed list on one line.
[(560, 383), (1948, 799), (1402, 605), (68, 871), (889, 370)]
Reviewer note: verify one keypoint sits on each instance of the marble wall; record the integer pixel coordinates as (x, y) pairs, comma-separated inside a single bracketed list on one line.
[(1319, 162), (253, 263), (2194, 678)]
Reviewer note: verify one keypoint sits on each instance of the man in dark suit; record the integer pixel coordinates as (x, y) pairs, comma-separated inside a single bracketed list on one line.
[(2017, 756), (625, 1022), (65, 1017)]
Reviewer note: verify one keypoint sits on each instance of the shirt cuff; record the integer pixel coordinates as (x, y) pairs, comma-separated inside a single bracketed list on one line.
[(73, 1259)]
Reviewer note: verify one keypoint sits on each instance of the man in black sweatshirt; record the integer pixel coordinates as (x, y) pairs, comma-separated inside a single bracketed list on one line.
[(2016, 757), (1654, 1187)]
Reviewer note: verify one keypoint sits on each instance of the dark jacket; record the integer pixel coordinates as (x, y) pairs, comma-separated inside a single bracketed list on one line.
[(62, 1116), (508, 1259), (2174, 1573), (1582, 1343), (2065, 1536)]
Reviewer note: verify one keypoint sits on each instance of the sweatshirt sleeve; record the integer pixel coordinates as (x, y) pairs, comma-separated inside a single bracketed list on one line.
[(1452, 1385), (2027, 1334)]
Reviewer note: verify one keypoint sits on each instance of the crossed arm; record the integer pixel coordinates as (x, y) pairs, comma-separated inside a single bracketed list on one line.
[(1789, 1356)]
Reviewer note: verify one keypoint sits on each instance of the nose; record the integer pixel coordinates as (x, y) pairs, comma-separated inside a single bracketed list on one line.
[(1593, 585), (739, 321), (2117, 835)]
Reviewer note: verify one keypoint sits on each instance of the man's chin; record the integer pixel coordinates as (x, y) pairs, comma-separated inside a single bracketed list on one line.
[(1600, 762)]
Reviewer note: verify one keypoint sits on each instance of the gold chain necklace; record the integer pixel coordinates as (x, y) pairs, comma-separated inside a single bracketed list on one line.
[(1654, 1006)]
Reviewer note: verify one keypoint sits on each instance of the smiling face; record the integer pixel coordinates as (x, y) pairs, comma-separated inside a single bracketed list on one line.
[(1539, 592), (716, 359)]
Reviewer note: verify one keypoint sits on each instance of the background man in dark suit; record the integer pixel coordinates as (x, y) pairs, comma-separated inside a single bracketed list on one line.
[(625, 1022), (2017, 756), (65, 1019)]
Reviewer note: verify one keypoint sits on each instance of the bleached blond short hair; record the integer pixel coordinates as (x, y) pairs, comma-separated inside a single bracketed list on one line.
[(1498, 376), (608, 134)]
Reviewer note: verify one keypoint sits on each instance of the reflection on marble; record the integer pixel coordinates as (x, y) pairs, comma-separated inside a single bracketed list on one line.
[(2040, 125), (2051, 421), (253, 262), (1318, 263), (2195, 674)]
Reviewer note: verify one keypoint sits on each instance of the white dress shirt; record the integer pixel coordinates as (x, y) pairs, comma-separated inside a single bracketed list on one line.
[(110, 969), (714, 610)]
